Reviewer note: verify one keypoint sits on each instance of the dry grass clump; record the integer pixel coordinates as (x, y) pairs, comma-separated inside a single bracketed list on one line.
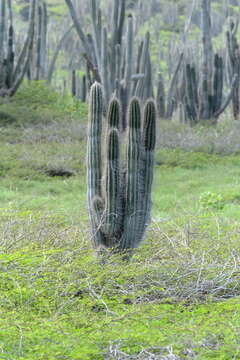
[(69, 131), (222, 139), (154, 353)]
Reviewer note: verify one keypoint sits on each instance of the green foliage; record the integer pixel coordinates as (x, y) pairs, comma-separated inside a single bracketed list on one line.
[(211, 201), (42, 96), (37, 102), (37, 94)]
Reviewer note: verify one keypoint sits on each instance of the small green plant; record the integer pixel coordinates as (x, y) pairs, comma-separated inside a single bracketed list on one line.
[(211, 201)]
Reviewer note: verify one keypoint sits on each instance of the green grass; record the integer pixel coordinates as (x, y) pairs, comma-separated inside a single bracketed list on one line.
[(178, 295)]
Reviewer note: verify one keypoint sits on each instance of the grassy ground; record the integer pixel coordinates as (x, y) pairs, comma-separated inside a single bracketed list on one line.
[(178, 297)]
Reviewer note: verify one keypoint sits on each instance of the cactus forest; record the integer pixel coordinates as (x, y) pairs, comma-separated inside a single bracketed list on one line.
[(119, 179)]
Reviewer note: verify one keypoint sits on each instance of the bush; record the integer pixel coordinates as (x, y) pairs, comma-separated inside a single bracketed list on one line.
[(36, 102), (211, 201)]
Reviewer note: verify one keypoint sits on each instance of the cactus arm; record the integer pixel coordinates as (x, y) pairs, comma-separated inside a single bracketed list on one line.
[(148, 142), (2, 48), (143, 65), (217, 83), (207, 76), (92, 49), (99, 29), (230, 49), (228, 98), (171, 92), (113, 191), (115, 22), (24, 57), (195, 86), (92, 68), (104, 69), (44, 41), (112, 187), (114, 114), (10, 52), (144, 88), (121, 19), (148, 89), (83, 89), (94, 141), (161, 96), (133, 195), (112, 224), (96, 35), (129, 60), (234, 64), (138, 66), (190, 94), (139, 176), (39, 41), (79, 28), (114, 39), (118, 62), (94, 171), (2, 28), (117, 31)]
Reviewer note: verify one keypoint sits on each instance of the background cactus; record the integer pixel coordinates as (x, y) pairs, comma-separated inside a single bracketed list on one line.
[(12, 71), (113, 60), (234, 64), (119, 198), (160, 98), (38, 63), (202, 88), (216, 101)]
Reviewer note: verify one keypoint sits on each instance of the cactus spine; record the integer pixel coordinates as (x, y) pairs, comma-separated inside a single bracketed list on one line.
[(119, 198)]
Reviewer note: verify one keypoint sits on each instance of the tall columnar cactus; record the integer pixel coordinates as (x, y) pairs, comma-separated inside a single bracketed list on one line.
[(119, 197), (12, 70)]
